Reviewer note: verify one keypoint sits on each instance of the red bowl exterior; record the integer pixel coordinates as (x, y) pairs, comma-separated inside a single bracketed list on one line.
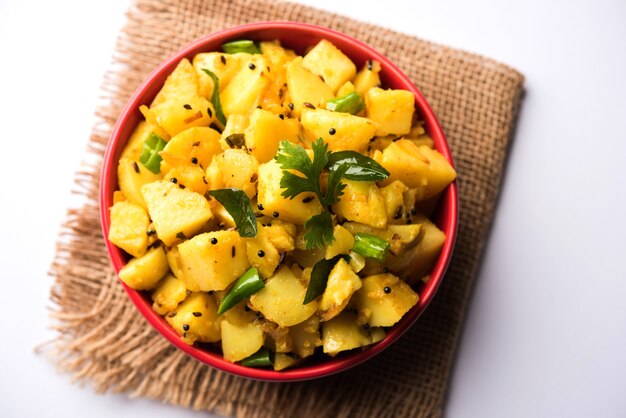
[(297, 36)]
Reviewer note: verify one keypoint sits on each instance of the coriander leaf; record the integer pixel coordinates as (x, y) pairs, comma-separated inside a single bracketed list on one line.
[(319, 277), (360, 167), (346, 164), (215, 97), (238, 206), (291, 156), (294, 185), (319, 230), (335, 186), (320, 155)]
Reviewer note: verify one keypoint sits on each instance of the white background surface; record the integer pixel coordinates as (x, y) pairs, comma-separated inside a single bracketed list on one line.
[(545, 335)]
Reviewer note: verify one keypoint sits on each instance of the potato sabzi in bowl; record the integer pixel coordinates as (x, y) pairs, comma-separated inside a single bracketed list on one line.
[(276, 207)]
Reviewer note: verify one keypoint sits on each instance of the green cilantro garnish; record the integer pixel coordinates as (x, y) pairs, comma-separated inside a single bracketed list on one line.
[(319, 229), (293, 157)]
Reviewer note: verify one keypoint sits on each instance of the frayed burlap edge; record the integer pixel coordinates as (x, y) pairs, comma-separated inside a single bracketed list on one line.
[(104, 341)]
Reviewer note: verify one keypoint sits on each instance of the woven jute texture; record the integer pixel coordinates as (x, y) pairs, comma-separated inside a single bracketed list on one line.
[(102, 340)]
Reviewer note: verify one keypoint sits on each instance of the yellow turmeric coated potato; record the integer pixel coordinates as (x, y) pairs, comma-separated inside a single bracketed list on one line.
[(281, 299), (277, 202), (143, 273)]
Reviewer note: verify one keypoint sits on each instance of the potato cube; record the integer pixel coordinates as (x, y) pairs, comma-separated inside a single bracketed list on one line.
[(175, 263), (392, 110), (345, 89), (416, 261), (213, 260), (196, 319), (276, 54), (418, 167), (306, 336), (297, 210), (394, 202), (343, 241), (341, 131), (344, 333), (283, 361), (131, 176), (234, 168), (265, 132), (277, 338), (281, 235), (367, 78), (224, 66), (170, 292), (306, 87), (176, 213), (194, 146), (261, 253), (281, 299), (362, 202), (190, 177), (129, 226), (384, 299), (145, 272), (342, 283), (183, 112), (240, 341), (327, 61), (182, 82), (134, 146), (243, 92)]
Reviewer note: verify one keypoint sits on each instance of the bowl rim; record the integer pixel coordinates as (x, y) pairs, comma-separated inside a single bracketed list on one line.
[(333, 365)]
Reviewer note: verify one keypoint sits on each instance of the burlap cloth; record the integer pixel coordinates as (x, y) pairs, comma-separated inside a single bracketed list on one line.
[(104, 341)]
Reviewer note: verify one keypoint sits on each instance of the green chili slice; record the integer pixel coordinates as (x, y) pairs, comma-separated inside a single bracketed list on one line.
[(246, 286), (239, 207), (360, 167), (370, 246), (350, 103), (319, 277), (215, 97), (261, 358), (150, 157), (242, 45)]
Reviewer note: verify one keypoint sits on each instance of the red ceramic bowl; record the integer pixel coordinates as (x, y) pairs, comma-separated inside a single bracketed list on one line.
[(299, 37)]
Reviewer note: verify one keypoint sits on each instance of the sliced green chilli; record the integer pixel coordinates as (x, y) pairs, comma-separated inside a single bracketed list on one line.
[(370, 246), (241, 45), (246, 286), (150, 157), (262, 358), (350, 103)]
